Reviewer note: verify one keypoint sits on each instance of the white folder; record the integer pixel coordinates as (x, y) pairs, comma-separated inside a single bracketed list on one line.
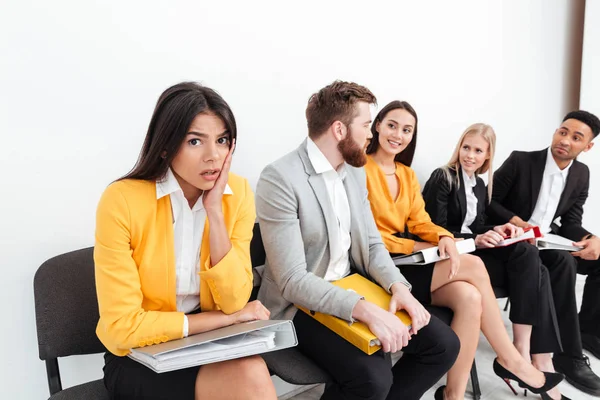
[(554, 242), (431, 255), (230, 342)]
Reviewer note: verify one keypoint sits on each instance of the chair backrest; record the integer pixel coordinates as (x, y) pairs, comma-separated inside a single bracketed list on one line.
[(66, 306), (258, 257)]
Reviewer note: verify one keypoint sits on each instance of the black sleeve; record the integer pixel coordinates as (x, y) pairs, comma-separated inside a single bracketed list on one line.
[(571, 222), (504, 180), (436, 193)]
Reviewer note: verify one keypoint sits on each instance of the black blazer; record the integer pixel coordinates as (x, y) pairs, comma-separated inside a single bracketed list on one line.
[(446, 203), (517, 185)]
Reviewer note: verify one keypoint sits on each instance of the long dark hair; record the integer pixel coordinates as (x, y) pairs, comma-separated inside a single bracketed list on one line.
[(174, 112), (406, 157)]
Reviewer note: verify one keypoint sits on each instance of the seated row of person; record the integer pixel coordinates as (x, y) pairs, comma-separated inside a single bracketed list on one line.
[(172, 259), (538, 187)]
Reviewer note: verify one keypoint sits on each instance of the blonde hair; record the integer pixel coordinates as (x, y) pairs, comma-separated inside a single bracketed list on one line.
[(488, 134)]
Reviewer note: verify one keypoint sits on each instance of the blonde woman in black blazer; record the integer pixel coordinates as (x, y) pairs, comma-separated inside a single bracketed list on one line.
[(457, 199)]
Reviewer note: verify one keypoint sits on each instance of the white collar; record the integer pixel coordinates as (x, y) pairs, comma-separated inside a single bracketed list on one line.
[(469, 181), (551, 167), (169, 185), (319, 162)]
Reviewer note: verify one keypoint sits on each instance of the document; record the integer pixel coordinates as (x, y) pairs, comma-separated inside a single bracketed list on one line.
[(529, 233), (230, 342), (555, 242), (358, 333), (432, 254)]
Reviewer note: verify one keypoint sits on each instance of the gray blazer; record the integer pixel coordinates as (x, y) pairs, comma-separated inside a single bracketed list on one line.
[(297, 223)]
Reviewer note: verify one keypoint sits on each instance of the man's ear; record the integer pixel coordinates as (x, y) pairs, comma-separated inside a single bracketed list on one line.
[(588, 147), (339, 130)]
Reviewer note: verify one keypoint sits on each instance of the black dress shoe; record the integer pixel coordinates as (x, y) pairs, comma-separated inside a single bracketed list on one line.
[(578, 373), (591, 343)]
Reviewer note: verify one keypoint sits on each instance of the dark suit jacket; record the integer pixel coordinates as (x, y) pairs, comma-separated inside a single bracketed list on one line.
[(517, 185), (446, 203)]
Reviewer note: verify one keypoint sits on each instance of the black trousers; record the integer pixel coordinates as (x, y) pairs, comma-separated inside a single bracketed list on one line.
[(519, 269), (589, 314), (562, 267), (356, 375)]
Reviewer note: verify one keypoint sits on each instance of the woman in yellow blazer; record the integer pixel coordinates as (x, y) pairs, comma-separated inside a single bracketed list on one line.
[(172, 253), (460, 282)]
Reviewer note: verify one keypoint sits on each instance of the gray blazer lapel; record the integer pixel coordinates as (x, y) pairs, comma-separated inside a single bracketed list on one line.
[(317, 183), (359, 248)]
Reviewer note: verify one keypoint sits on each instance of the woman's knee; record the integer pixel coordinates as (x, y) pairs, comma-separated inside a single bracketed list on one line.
[(248, 374), (467, 301), (475, 268), (254, 374)]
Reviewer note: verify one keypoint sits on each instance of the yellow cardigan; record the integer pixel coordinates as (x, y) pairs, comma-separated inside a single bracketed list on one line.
[(134, 260), (408, 210)]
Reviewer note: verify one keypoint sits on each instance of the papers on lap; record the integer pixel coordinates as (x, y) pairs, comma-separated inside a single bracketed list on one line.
[(235, 341), (548, 241), (431, 255), (554, 242)]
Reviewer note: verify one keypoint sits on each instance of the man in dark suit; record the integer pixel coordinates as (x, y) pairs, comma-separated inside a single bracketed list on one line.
[(538, 188)]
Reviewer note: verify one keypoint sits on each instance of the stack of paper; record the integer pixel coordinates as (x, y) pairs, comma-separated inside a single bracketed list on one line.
[(222, 344), (432, 254), (555, 242)]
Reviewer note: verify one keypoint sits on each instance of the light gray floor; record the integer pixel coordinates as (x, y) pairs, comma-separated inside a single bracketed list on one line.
[(492, 387)]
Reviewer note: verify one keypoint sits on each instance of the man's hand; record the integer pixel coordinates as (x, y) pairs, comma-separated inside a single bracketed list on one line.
[(389, 329), (520, 223), (447, 249), (591, 249), (402, 299), (509, 230)]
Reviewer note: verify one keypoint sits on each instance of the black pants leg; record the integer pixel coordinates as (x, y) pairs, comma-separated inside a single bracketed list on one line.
[(562, 267), (589, 314), (520, 270), (357, 375)]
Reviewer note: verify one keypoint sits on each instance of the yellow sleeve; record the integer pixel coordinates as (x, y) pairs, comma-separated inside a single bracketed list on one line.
[(124, 324), (394, 244), (419, 223), (230, 280)]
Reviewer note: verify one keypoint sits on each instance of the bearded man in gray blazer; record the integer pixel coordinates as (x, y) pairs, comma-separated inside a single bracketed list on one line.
[(317, 227)]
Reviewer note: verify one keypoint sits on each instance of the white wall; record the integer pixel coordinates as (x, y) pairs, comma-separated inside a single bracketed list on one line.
[(78, 82), (590, 101)]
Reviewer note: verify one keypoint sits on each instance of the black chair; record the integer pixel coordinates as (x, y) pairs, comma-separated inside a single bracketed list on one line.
[(66, 312), (501, 293), (66, 309)]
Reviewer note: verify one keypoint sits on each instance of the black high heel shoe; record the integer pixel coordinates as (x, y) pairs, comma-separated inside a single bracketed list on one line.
[(552, 379), (439, 393), (545, 396)]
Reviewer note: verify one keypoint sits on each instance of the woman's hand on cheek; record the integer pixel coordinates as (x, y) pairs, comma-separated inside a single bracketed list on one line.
[(213, 198)]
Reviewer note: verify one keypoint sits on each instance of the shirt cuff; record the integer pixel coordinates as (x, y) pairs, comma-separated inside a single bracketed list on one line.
[(186, 326), (405, 283)]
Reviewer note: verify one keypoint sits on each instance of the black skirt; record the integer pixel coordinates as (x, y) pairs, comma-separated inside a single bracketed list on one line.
[(125, 378), (419, 276)]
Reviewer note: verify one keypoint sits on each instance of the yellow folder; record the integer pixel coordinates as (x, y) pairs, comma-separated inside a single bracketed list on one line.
[(358, 333)]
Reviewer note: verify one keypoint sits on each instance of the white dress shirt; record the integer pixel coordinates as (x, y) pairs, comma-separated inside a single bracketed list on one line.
[(553, 185), (471, 214), (339, 261), (188, 228)]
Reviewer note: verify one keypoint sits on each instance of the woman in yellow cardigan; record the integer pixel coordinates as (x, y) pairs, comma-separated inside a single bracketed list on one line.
[(172, 253), (460, 282)]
